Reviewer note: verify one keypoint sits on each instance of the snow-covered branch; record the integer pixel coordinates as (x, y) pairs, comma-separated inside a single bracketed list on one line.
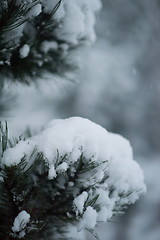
[(37, 37), (73, 171)]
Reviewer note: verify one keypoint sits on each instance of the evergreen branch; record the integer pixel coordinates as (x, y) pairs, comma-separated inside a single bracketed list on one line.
[(14, 15), (52, 203), (91, 202), (38, 62)]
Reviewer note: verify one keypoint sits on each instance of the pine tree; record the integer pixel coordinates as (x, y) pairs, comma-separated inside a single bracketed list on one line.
[(74, 174)]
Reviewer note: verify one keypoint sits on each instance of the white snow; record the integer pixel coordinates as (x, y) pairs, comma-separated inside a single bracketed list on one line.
[(78, 20), (73, 137), (24, 51), (104, 214), (20, 223), (52, 172), (46, 46), (62, 167), (89, 219), (80, 201), (13, 156), (117, 179), (126, 173), (35, 11)]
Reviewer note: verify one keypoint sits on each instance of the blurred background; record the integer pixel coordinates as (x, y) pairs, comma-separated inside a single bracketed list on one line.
[(117, 87)]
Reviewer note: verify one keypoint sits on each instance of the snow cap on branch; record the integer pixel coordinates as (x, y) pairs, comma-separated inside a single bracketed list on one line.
[(105, 177)]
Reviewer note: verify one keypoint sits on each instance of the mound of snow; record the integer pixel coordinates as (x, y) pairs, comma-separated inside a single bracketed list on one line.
[(115, 181)]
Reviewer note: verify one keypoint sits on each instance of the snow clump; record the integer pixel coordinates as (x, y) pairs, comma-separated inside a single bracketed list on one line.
[(100, 165), (78, 20), (20, 223), (24, 51)]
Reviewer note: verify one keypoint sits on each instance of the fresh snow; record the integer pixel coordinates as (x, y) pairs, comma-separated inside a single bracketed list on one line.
[(80, 201), (20, 223), (24, 51), (35, 11), (46, 46), (62, 167), (13, 156), (78, 20), (52, 172), (117, 180), (89, 219)]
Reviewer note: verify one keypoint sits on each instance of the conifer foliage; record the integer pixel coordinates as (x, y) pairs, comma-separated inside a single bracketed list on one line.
[(62, 176), (74, 174), (35, 38)]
